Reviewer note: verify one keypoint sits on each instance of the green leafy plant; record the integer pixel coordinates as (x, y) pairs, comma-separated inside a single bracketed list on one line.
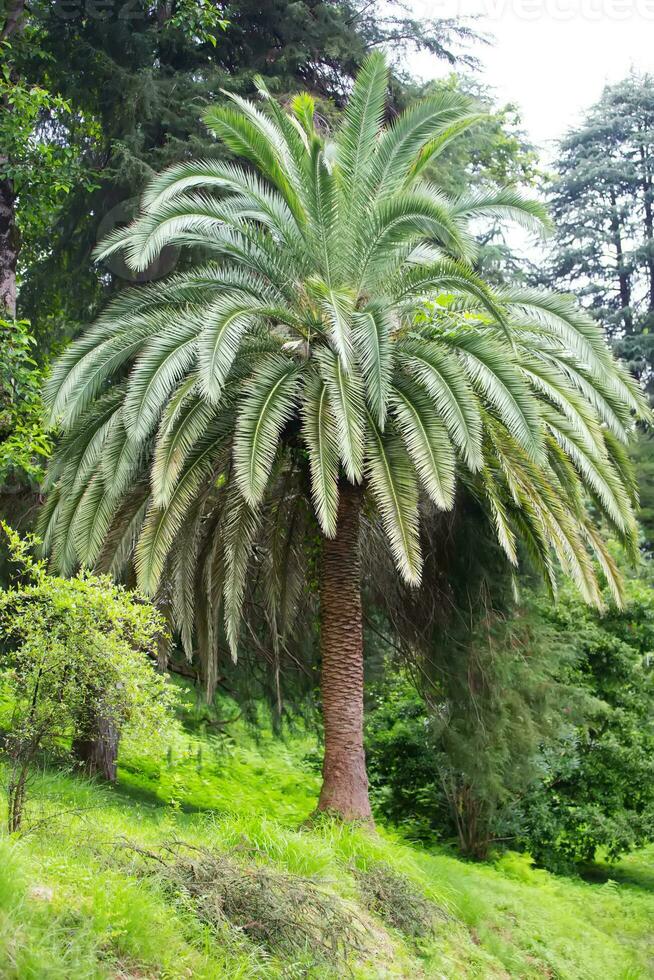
[(73, 650), (25, 444), (597, 787), (454, 760), (335, 360), (40, 167)]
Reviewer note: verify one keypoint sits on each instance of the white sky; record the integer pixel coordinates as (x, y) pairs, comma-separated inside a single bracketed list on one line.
[(551, 57)]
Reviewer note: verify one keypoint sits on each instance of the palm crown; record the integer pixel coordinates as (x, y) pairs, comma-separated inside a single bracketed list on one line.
[(335, 326)]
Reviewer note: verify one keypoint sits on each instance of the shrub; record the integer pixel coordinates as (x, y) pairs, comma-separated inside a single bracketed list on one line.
[(597, 789), (25, 445), (541, 738), (453, 760), (74, 651)]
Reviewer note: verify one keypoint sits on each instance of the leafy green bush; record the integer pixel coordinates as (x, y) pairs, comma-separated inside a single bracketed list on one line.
[(598, 785), (73, 651), (24, 443), (453, 762), (541, 738)]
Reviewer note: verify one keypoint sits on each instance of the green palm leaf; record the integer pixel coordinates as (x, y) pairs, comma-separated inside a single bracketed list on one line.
[(426, 441), (489, 367), (347, 403), (439, 372), (402, 144), (361, 124), (162, 363), (372, 329), (394, 488), (321, 436), (239, 531), (162, 523), (270, 398)]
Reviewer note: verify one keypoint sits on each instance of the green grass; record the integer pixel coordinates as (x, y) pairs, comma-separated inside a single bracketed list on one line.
[(75, 901)]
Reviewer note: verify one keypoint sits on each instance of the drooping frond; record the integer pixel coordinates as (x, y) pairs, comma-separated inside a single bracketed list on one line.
[(321, 437), (489, 366), (251, 136), (178, 434), (346, 399), (162, 363), (222, 329), (372, 330), (426, 440), (268, 403), (439, 373), (238, 531), (163, 522), (394, 487), (506, 203)]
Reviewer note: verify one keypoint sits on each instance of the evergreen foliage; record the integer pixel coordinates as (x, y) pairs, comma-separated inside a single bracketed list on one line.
[(25, 444), (533, 732), (603, 205), (333, 324), (73, 650), (597, 794), (135, 76)]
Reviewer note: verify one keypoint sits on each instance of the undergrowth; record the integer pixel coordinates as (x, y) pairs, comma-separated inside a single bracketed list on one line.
[(197, 864)]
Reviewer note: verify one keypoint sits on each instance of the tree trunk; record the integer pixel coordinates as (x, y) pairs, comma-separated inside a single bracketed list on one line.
[(12, 24), (16, 798), (8, 246), (14, 18), (97, 748), (345, 781), (648, 205), (624, 278)]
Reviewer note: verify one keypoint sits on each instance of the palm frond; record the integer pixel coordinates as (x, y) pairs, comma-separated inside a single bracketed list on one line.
[(372, 330), (347, 403), (438, 371), (426, 440), (394, 488), (361, 124), (269, 401), (163, 522), (321, 436), (506, 203), (402, 144)]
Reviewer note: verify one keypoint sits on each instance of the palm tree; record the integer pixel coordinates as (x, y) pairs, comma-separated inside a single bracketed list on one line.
[(330, 361)]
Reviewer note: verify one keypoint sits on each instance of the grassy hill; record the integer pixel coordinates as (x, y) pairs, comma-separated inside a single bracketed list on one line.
[(197, 865)]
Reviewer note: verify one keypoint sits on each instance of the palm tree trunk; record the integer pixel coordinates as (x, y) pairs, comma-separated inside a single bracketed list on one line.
[(345, 781)]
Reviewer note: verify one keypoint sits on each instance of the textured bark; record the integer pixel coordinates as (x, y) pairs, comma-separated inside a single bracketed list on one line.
[(624, 277), (345, 781), (648, 204), (13, 19), (8, 248), (16, 798), (97, 749), (11, 24)]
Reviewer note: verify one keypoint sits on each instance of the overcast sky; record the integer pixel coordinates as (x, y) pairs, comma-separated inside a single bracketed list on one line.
[(552, 57)]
